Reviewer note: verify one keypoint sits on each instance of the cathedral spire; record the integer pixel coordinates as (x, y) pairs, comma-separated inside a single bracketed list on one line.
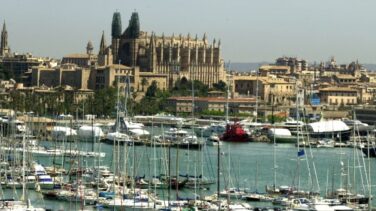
[(102, 46), (4, 27), (116, 26), (152, 53), (204, 37), (133, 29), (4, 48)]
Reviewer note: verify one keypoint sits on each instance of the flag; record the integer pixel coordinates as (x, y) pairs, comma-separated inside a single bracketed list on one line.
[(301, 153)]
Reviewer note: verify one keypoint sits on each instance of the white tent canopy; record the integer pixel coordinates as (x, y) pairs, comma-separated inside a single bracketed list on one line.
[(328, 126)]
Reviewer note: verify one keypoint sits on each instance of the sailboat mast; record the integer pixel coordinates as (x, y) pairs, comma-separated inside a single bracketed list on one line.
[(218, 174), (23, 168), (177, 172), (193, 98), (274, 150), (256, 178), (257, 86), (369, 175), (169, 168), (354, 151), (227, 96), (298, 135)]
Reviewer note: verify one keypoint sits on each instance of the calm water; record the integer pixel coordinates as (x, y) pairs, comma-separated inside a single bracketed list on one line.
[(245, 165)]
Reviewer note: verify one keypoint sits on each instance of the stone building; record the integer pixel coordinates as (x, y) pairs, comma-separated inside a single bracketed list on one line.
[(63, 75), (80, 78), (345, 79), (267, 89), (338, 96), (80, 59), (296, 65), (109, 75), (175, 56), (16, 65), (236, 105), (266, 70)]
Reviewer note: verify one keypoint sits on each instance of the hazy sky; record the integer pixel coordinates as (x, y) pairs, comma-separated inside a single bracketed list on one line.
[(250, 31)]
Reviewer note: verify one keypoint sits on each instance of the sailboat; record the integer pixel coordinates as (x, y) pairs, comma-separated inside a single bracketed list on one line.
[(24, 204), (345, 195)]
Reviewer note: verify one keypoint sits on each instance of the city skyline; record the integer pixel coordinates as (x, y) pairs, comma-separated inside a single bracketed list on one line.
[(250, 31)]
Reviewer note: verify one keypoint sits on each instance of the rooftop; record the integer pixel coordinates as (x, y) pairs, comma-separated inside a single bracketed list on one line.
[(345, 76), (77, 56), (337, 89), (215, 99)]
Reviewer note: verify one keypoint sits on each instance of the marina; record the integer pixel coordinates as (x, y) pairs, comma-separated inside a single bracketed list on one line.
[(160, 121), (99, 167)]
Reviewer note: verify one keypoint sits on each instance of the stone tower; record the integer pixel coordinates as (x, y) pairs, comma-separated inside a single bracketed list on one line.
[(129, 41), (116, 34), (4, 48), (89, 48), (152, 57), (102, 45)]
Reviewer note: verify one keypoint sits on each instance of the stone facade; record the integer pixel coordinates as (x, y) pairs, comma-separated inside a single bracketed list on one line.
[(176, 56), (339, 96), (84, 78), (236, 105), (277, 90), (107, 76), (80, 59), (148, 78), (64, 75), (19, 64)]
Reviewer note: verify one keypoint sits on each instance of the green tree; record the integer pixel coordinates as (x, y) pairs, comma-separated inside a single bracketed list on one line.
[(144, 82), (220, 86), (152, 90), (154, 100), (183, 87), (104, 102)]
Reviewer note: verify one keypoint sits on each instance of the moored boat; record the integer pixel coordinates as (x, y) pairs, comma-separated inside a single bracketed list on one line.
[(369, 151), (235, 133), (281, 135), (214, 140)]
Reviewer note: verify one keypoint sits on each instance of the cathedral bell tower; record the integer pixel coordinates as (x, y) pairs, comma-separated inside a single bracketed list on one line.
[(116, 34), (129, 42), (4, 48)]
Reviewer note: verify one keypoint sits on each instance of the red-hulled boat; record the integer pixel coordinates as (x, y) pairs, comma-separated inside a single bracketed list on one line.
[(235, 133)]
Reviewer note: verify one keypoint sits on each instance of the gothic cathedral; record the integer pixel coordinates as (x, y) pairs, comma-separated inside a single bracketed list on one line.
[(175, 56)]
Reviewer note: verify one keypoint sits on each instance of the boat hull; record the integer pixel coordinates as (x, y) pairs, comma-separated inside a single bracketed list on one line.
[(369, 151)]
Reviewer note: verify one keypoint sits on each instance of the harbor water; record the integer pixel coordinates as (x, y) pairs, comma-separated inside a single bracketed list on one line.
[(243, 165)]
